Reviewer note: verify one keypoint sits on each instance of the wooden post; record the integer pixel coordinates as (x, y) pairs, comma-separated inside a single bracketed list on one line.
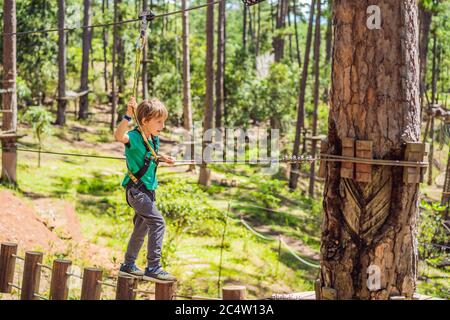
[(164, 291), (7, 266), (363, 172), (91, 288), (415, 151), (317, 289), (31, 275), (233, 293), (126, 287), (323, 164), (59, 288), (348, 150)]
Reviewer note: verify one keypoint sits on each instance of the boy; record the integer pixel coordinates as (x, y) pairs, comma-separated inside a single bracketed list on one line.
[(140, 183)]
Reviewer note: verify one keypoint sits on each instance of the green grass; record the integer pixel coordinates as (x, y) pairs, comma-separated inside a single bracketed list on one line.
[(192, 247)]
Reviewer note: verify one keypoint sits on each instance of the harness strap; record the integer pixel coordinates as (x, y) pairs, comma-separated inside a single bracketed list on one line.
[(136, 177)]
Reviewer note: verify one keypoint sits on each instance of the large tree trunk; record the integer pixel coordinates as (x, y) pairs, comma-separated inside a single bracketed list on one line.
[(62, 102), (204, 178), (9, 98), (87, 36), (312, 173), (293, 178), (220, 64), (371, 227)]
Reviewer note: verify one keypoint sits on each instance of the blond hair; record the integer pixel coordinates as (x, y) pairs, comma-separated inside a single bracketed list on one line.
[(149, 109)]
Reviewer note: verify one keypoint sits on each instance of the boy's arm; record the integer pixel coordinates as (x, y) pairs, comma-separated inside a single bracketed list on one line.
[(121, 132)]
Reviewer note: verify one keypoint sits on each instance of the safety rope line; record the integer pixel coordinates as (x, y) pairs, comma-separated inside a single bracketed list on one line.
[(40, 296), (256, 233), (328, 158), (276, 211), (14, 286), (21, 33), (45, 266), (17, 257), (107, 284)]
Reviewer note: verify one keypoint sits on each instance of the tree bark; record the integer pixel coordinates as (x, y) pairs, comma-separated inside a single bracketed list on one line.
[(293, 178), (9, 98), (204, 177), (371, 227), (62, 102), (84, 81), (312, 173), (220, 64)]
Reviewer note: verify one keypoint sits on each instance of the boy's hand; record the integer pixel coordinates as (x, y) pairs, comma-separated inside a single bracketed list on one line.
[(131, 106), (167, 159)]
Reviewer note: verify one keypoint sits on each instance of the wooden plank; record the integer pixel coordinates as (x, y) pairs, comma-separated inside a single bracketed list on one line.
[(7, 266), (348, 150), (415, 151), (363, 172)]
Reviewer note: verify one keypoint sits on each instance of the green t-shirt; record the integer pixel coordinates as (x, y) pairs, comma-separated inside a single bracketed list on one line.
[(134, 152)]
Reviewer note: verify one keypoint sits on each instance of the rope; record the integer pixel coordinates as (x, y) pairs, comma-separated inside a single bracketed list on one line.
[(313, 265), (435, 245), (17, 257), (110, 23), (45, 266), (195, 297), (74, 275), (107, 284), (259, 235), (276, 211), (398, 163), (143, 291), (40, 297), (281, 240), (259, 161), (14, 286)]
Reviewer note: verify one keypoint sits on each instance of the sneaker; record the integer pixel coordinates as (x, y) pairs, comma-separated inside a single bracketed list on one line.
[(158, 275), (130, 270)]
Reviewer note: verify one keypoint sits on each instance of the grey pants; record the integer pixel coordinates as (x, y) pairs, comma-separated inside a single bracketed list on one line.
[(147, 220)]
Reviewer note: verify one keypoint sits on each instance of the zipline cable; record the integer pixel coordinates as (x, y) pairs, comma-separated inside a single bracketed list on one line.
[(21, 33)]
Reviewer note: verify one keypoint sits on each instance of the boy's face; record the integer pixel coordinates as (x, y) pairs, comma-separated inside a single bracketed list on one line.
[(154, 125)]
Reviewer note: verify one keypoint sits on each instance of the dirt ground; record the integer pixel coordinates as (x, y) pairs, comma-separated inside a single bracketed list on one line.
[(50, 226)]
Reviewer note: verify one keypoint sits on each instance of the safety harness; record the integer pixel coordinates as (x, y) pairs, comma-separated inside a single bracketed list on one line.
[(136, 177)]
